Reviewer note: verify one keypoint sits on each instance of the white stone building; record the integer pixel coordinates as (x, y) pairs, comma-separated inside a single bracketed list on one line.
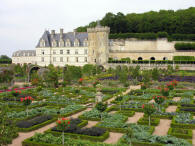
[(94, 47)]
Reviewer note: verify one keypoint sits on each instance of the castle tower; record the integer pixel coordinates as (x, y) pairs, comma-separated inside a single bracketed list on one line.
[(98, 44)]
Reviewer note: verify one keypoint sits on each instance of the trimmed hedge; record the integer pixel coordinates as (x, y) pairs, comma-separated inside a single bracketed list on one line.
[(145, 121), (185, 46), (81, 136), (180, 133), (179, 125), (183, 58), (142, 36)]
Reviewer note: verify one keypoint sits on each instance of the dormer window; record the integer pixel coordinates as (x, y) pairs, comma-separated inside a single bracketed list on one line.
[(61, 43), (68, 43), (42, 43), (76, 43), (54, 43), (85, 43)]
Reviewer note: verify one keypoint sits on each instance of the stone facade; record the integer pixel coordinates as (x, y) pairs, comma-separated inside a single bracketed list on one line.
[(94, 47)]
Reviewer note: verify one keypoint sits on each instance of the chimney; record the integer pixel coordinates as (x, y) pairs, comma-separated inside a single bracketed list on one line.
[(75, 31), (52, 33), (61, 33)]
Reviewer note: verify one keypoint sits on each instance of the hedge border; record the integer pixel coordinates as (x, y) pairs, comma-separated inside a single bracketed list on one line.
[(179, 125), (154, 121), (87, 137), (180, 135)]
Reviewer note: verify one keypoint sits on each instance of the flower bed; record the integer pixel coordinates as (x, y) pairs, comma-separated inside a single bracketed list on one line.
[(51, 140), (93, 115), (144, 121), (74, 130), (35, 123), (115, 123), (180, 133)]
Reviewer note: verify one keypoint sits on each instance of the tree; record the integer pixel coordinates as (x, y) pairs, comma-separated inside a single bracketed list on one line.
[(51, 77), (159, 100), (87, 69), (101, 107), (149, 109), (155, 74), (62, 125)]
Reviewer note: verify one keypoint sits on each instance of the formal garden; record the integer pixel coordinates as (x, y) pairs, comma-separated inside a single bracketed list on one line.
[(92, 106)]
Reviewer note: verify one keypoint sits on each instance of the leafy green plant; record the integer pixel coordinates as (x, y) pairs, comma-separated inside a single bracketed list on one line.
[(149, 109)]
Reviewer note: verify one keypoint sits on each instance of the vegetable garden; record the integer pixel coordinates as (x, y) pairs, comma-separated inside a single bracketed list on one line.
[(144, 113)]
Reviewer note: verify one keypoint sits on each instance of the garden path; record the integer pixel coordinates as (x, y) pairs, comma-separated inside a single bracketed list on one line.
[(22, 136), (193, 137), (171, 108), (176, 99), (113, 138), (151, 101), (112, 112), (124, 93), (135, 118), (91, 124), (162, 128)]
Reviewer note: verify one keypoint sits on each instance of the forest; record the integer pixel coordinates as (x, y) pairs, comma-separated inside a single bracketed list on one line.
[(169, 21)]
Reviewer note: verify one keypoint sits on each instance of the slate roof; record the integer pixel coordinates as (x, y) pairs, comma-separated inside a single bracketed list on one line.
[(23, 53), (72, 36)]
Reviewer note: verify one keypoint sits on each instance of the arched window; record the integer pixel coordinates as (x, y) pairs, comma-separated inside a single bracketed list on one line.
[(152, 58), (140, 58), (165, 58)]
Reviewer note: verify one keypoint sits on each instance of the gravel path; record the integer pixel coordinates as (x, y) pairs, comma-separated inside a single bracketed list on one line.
[(171, 108), (91, 124), (22, 136), (176, 99), (113, 138), (135, 118), (162, 128)]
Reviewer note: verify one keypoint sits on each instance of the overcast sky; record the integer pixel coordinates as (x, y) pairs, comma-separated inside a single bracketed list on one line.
[(22, 22)]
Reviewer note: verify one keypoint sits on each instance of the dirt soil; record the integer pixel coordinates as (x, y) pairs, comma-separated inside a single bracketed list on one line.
[(162, 128), (135, 118), (171, 108), (113, 138)]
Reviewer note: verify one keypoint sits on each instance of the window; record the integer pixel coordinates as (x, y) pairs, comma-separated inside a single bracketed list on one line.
[(61, 59), (67, 51), (93, 52), (54, 44), (77, 59), (61, 43), (85, 51), (42, 59), (76, 51), (54, 59), (42, 52), (42, 43), (67, 59), (61, 51), (54, 52), (85, 59), (95, 60), (85, 44)]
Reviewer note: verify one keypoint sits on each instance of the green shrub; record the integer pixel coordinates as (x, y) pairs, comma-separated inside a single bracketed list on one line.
[(185, 46)]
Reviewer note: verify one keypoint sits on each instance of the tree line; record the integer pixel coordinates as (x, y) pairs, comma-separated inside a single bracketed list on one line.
[(180, 21)]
